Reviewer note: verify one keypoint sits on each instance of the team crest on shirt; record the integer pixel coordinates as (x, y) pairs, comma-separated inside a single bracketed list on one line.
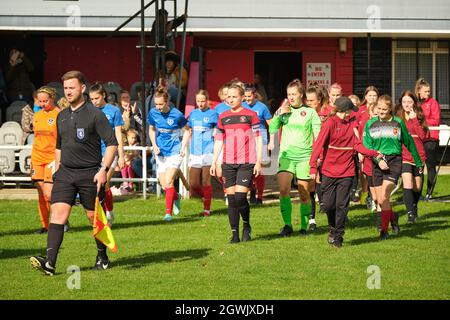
[(170, 122), (206, 119), (303, 113), (395, 131), (80, 133), (50, 121), (243, 119)]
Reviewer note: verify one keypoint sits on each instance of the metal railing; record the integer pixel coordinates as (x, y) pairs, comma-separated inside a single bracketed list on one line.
[(144, 180)]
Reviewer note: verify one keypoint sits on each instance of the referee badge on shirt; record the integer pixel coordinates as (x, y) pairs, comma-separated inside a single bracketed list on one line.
[(80, 133)]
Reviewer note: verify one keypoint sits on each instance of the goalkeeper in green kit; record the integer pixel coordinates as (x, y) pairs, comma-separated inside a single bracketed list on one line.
[(300, 126)]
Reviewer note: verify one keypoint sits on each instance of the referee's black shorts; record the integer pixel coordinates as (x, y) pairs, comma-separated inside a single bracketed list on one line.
[(67, 183), (237, 174), (392, 174)]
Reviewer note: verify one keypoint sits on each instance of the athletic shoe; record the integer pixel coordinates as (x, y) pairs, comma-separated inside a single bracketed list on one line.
[(101, 264), (312, 225), (253, 196), (383, 235), (373, 206), (286, 231), (205, 213), (394, 225), (40, 263), (369, 202), (246, 234), (336, 243), (167, 217), (411, 218), (177, 205), (110, 217), (302, 232), (41, 231), (235, 237), (330, 238), (67, 227)]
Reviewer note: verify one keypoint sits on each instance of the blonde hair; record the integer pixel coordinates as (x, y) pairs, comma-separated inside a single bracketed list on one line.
[(161, 91), (421, 82), (48, 90), (63, 103)]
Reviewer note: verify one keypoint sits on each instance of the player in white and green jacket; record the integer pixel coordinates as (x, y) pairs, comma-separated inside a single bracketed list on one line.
[(300, 125)]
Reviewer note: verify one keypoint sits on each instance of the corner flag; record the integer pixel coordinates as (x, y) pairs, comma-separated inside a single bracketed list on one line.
[(102, 230)]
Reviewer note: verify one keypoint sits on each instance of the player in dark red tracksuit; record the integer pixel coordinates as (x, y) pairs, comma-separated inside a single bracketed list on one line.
[(408, 110), (339, 142), (432, 113)]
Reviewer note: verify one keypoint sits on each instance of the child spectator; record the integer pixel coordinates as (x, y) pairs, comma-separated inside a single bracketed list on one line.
[(130, 155)]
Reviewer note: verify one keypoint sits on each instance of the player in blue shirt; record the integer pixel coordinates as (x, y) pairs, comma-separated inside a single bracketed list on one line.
[(264, 116), (202, 122), (98, 95), (165, 125)]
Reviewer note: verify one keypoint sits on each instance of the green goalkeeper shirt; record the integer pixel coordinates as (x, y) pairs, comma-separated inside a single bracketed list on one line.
[(300, 128), (387, 137)]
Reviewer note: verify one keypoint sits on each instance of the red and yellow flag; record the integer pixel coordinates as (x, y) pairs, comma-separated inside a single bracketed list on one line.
[(102, 230)]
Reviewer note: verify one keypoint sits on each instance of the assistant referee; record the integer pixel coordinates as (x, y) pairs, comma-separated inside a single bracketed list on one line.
[(79, 166)]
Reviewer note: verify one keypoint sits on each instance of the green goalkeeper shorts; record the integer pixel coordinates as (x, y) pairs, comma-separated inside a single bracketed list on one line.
[(300, 169)]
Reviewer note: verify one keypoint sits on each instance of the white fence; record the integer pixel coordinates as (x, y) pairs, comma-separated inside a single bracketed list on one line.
[(144, 180), (444, 137)]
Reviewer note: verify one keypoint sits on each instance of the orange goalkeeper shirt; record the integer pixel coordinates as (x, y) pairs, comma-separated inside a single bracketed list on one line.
[(44, 144)]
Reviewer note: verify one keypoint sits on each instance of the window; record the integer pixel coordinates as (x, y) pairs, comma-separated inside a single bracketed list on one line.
[(432, 65)]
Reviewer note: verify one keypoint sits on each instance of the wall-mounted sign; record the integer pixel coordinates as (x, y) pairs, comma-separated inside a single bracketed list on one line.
[(318, 72)]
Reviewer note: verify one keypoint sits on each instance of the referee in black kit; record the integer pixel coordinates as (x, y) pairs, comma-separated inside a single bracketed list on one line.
[(79, 167)]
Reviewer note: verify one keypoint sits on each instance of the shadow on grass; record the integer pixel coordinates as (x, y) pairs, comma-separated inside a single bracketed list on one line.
[(139, 261), (116, 226), (16, 253), (274, 236), (415, 231)]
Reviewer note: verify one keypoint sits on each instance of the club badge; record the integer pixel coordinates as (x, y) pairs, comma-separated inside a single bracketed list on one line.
[(170, 122), (80, 133)]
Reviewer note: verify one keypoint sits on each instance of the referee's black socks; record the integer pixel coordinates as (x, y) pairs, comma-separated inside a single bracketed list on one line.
[(54, 240), (101, 248)]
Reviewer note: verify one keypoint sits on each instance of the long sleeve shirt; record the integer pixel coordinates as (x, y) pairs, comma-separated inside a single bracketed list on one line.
[(300, 127), (432, 113), (418, 135), (339, 143), (388, 136)]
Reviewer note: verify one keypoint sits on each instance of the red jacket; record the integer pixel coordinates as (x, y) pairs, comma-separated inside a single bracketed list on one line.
[(367, 163), (416, 131), (432, 113), (339, 143)]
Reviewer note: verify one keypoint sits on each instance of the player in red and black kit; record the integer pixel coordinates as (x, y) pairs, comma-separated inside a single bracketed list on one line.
[(239, 135), (408, 110), (338, 141)]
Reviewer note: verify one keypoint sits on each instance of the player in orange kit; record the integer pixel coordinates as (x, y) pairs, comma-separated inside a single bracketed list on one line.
[(43, 152)]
